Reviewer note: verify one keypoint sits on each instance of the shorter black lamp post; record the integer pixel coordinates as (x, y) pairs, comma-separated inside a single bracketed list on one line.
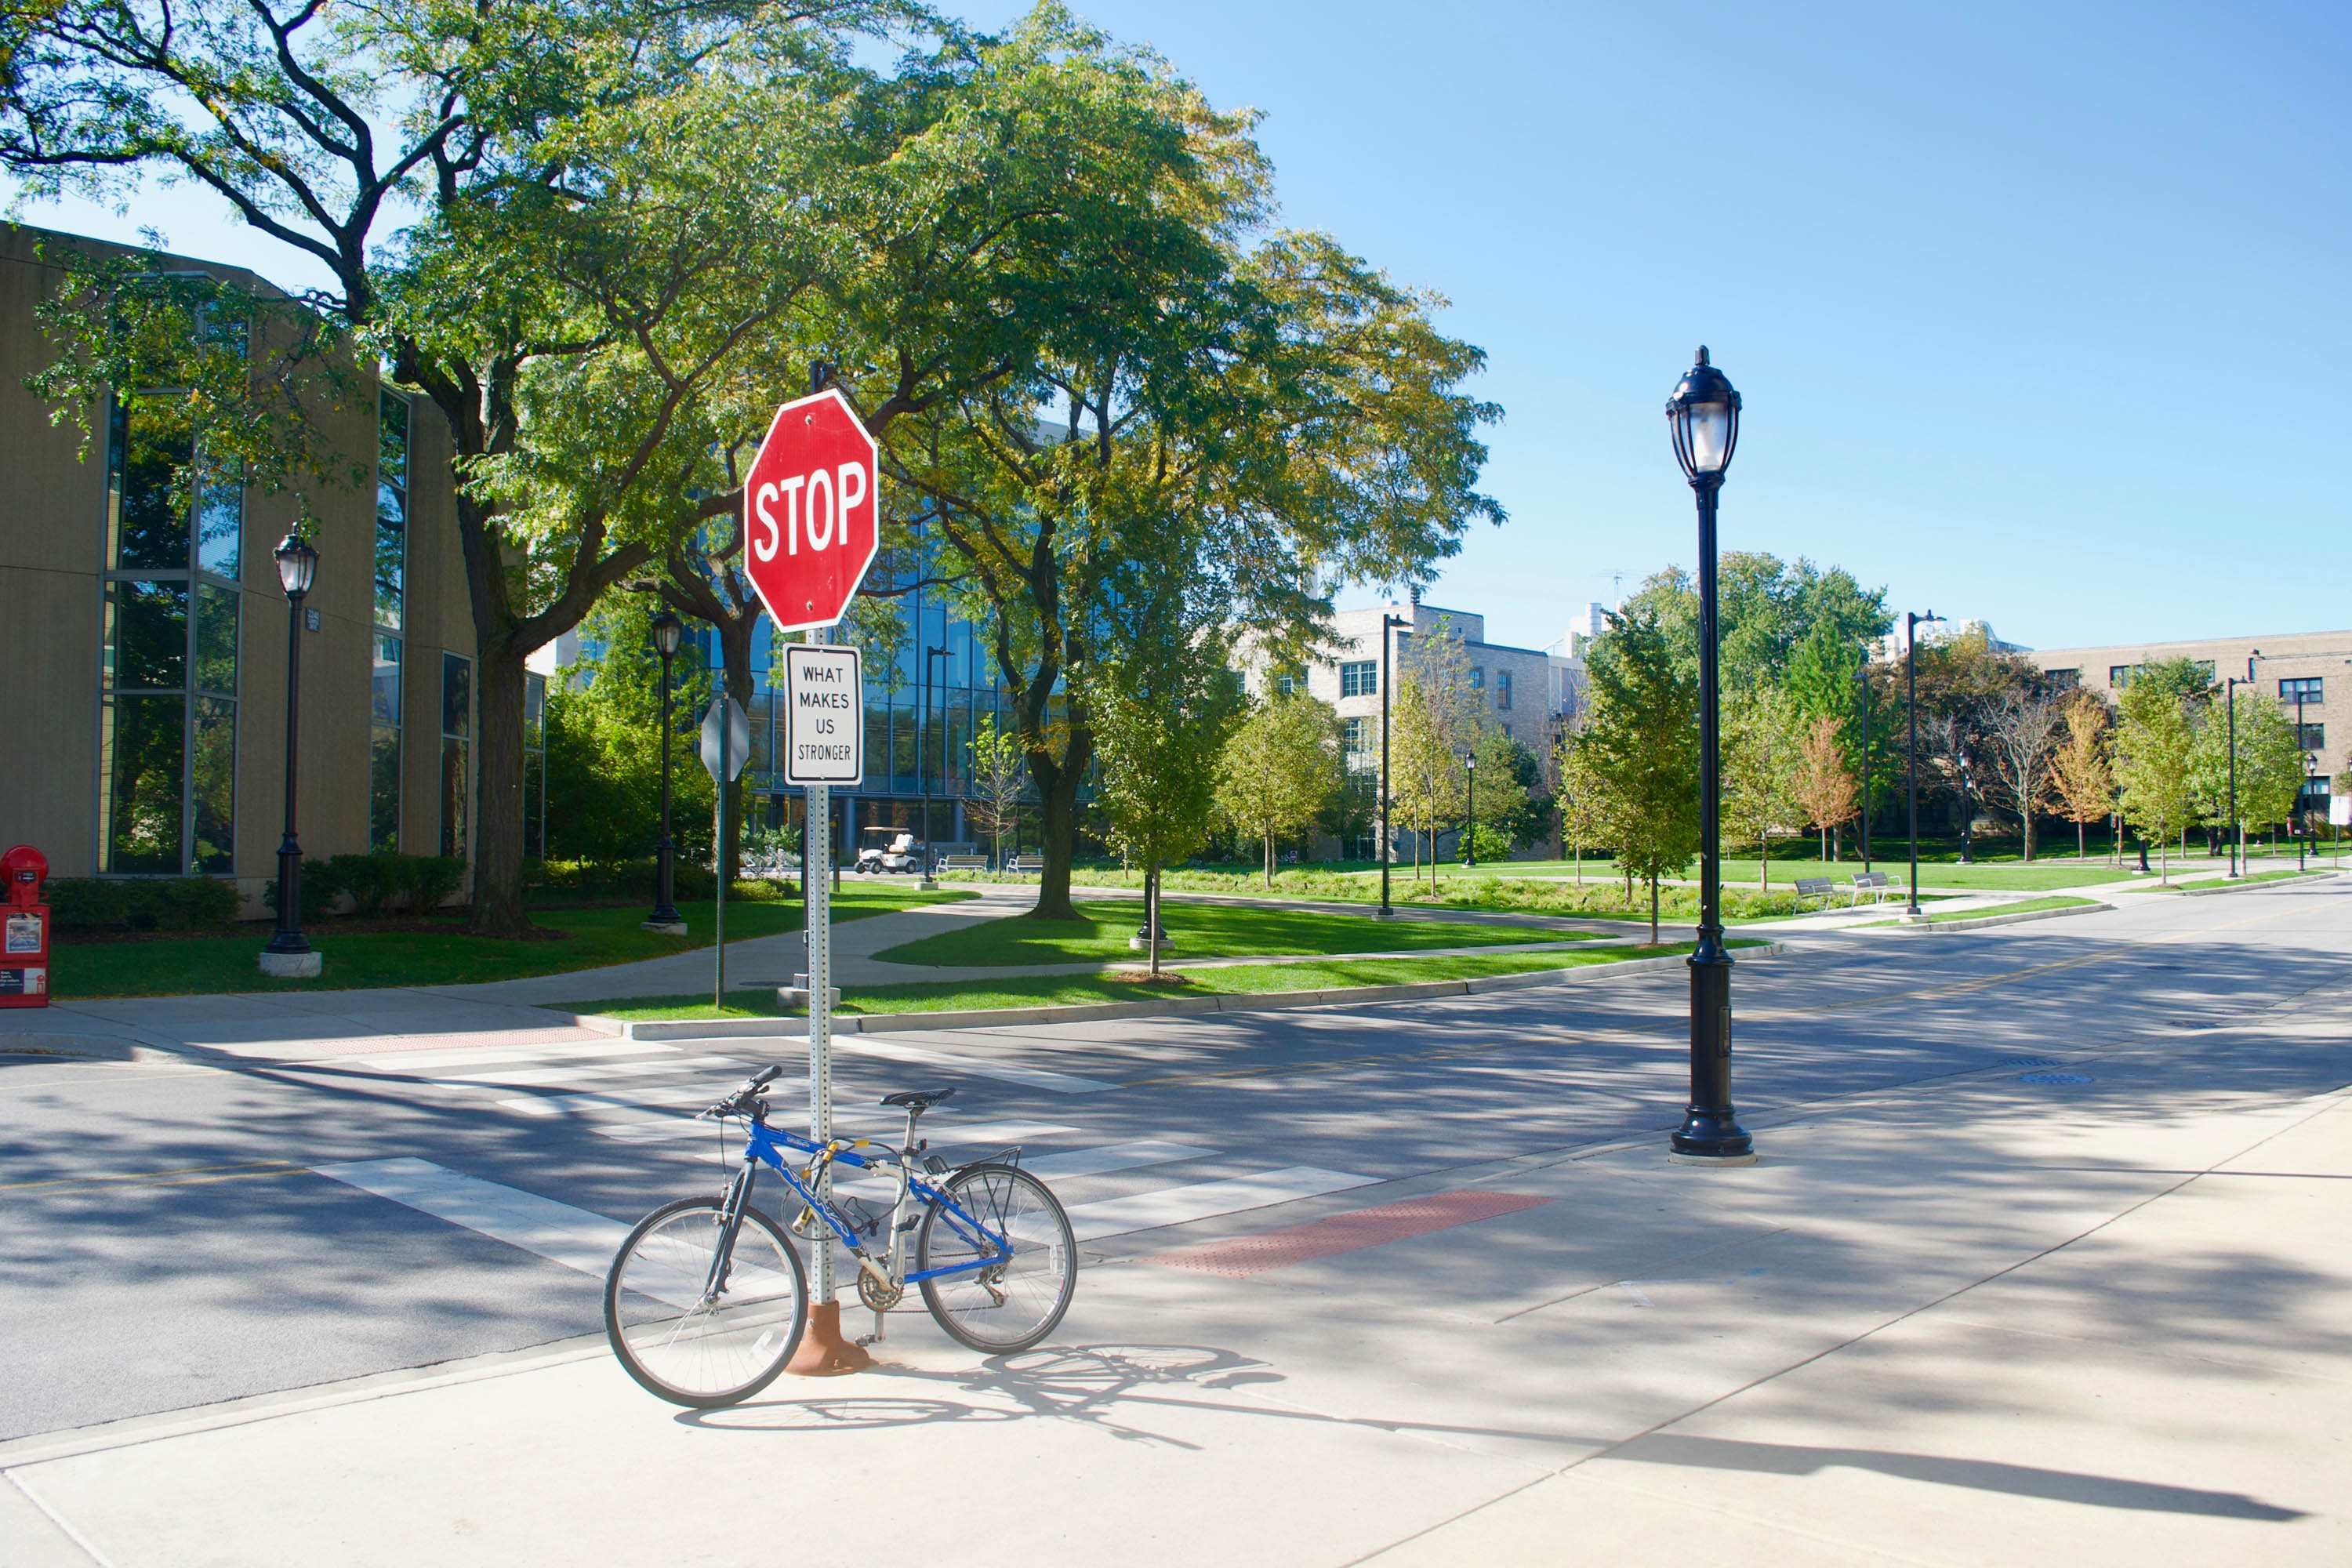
[(1389, 626), (669, 632), (289, 954), (1911, 625), (1862, 684), (1470, 828), (922, 763)]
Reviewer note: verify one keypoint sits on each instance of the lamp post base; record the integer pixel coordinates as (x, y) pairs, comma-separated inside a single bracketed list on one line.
[(1717, 1160), (307, 965), (671, 927)]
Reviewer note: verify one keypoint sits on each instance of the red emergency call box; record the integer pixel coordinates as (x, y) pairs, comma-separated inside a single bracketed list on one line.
[(24, 928)]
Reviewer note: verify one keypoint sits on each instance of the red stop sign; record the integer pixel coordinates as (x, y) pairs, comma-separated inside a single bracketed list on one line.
[(812, 512)]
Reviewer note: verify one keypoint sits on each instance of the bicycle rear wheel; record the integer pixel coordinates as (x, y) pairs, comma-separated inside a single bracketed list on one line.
[(684, 1343), (1003, 1306)]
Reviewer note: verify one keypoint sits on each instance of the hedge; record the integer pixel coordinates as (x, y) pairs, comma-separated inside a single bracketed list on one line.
[(141, 904)]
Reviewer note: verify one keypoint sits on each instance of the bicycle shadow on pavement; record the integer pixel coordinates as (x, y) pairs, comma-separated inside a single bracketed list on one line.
[(1086, 1383)]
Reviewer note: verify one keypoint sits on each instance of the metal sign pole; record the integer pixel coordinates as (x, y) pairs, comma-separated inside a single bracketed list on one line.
[(719, 849), (816, 850)]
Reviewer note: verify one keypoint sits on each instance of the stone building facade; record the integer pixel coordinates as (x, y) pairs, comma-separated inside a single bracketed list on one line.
[(144, 640)]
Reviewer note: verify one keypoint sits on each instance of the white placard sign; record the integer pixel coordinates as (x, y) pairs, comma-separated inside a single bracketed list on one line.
[(824, 722)]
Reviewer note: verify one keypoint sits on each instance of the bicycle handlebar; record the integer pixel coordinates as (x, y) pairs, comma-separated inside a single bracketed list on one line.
[(746, 1100)]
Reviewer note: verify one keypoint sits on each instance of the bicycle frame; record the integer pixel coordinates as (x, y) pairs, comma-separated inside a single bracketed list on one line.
[(768, 1144)]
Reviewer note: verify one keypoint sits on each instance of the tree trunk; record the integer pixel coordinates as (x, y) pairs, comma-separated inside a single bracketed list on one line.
[(497, 830), (1653, 909), (1764, 849), (1057, 795), (2081, 850), (1269, 859), (2025, 825), (1151, 917)]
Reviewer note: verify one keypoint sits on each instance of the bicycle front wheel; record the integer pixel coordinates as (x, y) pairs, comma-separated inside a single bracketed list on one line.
[(689, 1334), (1012, 1304)]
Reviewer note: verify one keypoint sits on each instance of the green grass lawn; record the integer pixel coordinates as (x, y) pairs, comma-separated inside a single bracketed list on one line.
[(1599, 897), (592, 938), (1067, 990), (1200, 931), (2242, 881), (2011, 876), (2029, 907)]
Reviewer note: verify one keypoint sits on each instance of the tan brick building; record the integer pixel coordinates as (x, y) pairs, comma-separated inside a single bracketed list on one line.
[(2315, 667), (142, 644)]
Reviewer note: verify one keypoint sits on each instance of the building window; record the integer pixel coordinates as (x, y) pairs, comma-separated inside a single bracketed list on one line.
[(383, 746), (2063, 677), (1360, 677), (1356, 736), (391, 619), (167, 702), (2120, 675), (1478, 679), (2314, 738), (2305, 687), (457, 734), (1503, 690), (2313, 796), (1289, 682), (534, 756)]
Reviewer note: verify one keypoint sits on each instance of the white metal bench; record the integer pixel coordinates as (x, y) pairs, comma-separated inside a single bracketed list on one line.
[(963, 862), (1874, 883), (1019, 863), (1821, 888)]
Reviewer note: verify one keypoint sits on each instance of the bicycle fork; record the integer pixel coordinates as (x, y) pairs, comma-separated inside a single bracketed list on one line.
[(730, 1222)]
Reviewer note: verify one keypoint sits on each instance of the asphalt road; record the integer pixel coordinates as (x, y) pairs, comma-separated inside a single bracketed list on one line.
[(165, 1242)]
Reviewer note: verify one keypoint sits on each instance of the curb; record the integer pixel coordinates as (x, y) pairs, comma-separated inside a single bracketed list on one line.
[(1983, 922), (2242, 885), (1180, 1006)]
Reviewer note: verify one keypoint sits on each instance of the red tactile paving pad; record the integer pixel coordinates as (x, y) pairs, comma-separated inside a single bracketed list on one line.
[(1244, 1256)]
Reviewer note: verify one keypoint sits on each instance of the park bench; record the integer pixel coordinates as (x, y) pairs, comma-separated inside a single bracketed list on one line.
[(1874, 883), (1019, 863), (1821, 888), (963, 862)]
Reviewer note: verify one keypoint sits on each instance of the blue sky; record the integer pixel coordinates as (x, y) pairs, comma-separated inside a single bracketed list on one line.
[(2037, 310)]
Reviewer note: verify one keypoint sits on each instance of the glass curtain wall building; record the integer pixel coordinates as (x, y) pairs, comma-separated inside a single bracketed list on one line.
[(901, 749)]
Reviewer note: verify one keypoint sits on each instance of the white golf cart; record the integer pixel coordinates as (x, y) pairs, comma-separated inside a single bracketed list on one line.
[(888, 849)]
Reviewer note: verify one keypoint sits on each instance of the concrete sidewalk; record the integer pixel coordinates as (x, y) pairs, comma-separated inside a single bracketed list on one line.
[(1986, 1320)]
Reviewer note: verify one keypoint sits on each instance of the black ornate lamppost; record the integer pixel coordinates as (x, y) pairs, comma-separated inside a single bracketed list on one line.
[(1704, 415), (668, 631), (289, 955), (1388, 624), (1911, 625)]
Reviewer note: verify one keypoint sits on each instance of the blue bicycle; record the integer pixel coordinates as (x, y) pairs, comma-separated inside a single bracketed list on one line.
[(707, 1299)]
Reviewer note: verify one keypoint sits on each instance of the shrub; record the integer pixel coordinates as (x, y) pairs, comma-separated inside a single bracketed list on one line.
[(431, 879), (145, 903)]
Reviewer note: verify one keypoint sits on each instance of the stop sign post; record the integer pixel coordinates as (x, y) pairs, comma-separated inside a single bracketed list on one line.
[(811, 527)]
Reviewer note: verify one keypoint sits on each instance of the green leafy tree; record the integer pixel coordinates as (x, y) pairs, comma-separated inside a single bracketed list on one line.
[(2270, 761), (1163, 713), (603, 746), (1265, 402), (1581, 798), (1280, 768), (1762, 754), (1640, 744), (2155, 751), (509, 214), (1437, 719)]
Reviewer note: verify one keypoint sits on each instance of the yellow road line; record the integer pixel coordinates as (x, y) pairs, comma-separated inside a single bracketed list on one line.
[(183, 1176)]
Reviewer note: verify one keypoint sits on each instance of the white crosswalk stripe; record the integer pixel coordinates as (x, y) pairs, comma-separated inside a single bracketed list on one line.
[(644, 1095)]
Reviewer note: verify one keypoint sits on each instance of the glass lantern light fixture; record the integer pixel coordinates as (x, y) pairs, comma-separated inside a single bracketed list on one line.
[(1705, 414), (297, 564), (668, 630)]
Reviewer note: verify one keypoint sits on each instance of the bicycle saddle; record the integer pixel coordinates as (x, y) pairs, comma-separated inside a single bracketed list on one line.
[(917, 1099)]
